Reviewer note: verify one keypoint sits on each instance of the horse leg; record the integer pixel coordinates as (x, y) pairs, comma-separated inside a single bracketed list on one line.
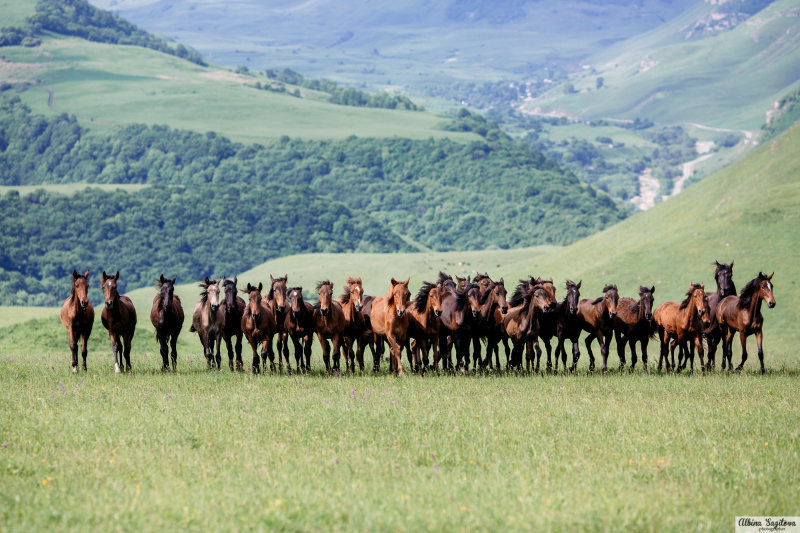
[(84, 352), (698, 341), (308, 340), (163, 348), (588, 342), (645, 342), (621, 342), (759, 338), (238, 347), (114, 351), (634, 356), (173, 344), (218, 343), (605, 342), (73, 349), (256, 358), (298, 354), (395, 353), (743, 340), (126, 347), (229, 347)]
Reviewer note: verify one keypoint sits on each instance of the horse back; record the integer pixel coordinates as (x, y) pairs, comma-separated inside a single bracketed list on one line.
[(377, 315), (625, 314)]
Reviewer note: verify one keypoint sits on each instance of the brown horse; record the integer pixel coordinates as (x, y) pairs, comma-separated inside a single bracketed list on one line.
[(743, 314), (390, 321), (423, 323), (569, 325), (119, 318), (208, 320), (276, 298), (723, 275), (446, 282), (493, 307), (520, 319), (329, 324), (299, 324), (460, 310), (681, 323), (635, 324), (258, 325), (77, 315), (233, 307), (597, 318), (357, 328), (166, 315)]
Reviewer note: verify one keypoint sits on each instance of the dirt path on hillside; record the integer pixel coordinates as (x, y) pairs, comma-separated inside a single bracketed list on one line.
[(648, 190)]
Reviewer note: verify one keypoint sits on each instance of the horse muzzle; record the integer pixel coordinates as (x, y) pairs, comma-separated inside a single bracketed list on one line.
[(437, 313), (648, 316), (324, 311), (214, 308), (504, 309), (84, 304), (771, 304), (280, 308), (401, 312), (359, 307), (109, 304), (611, 314), (256, 316)]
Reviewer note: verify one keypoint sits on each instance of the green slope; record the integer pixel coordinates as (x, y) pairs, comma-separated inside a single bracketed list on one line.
[(664, 76)]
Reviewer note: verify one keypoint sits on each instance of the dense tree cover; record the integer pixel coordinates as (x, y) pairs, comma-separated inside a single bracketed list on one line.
[(13, 36), (81, 19), (340, 95), (784, 113), (191, 232)]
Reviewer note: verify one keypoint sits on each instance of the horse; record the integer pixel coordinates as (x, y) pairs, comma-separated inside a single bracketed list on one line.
[(208, 320), (276, 299), (356, 329), (544, 326), (723, 275), (258, 325), (461, 283), (119, 318), (459, 311), (597, 318), (77, 315), (568, 325), (635, 324), (743, 314), (299, 324), (493, 307), (682, 323), (446, 282), (233, 307), (329, 323), (390, 321), (520, 319), (423, 324), (166, 315)]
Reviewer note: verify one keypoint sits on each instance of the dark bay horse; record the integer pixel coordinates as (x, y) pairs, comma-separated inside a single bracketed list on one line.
[(723, 275), (598, 320), (357, 328), (681, 323), (276, 299), (233, 307), (492, 308), (568, 325), (208, 320), (390, 321), (77, 315), (446, 282), (423, 324), (459, 312), (635, 324), (743, 314), (258, 325), (299, 324), (119, 318), (329, 324), (166, 315), (520, 319)]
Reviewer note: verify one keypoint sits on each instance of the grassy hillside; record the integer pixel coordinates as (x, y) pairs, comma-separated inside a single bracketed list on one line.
[(667, 77)]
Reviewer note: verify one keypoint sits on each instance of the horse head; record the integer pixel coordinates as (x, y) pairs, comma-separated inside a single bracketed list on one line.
[(610, 299), (80, 288), (230, 292), (699, 298), (646, 301), (724, 277), (325, 292), (356, 292), (295, 298), (765, 290), (573, 296), (398, 296), (499, 294), (166, 287), (254, 302), (277, 291), (109, 285)]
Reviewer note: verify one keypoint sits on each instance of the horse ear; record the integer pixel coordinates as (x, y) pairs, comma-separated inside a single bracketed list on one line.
[(116, 276), (653, 289), (86, 275), (75, 274), (105, 276), (235, 279), (579, 284), (394, 282), (731, 264), (174, 279), (161, 278), (770, 276), (703, 286), (271, 279), (406, 282), (260, 286)]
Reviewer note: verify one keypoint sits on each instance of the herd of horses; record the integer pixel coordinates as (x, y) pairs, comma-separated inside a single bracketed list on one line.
[(445, 316)]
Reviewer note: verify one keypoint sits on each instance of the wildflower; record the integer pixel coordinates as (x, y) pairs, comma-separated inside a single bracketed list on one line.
[(392, 402), (630, 462), (242, 405), (5, 445), (661, 461), (463, 507), (169, 395), (766, 444), (111, 461), (436, 467), (471, 462), (477, 416)]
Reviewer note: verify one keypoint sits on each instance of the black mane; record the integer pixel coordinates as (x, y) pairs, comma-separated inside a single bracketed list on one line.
[(322, 283), (689, 293), (421, 301), (750, 290), (461, 296), (520, 292)]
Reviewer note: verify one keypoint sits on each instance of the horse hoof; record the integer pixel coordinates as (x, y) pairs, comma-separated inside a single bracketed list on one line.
[(74, 369), (116, 369)]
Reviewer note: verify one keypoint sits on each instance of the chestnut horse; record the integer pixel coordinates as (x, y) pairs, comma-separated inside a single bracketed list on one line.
[(166, 316), (233, 307), (258, 325), (597, 318), (329, 323), (423, 324), (520, 319), (208, 320), (680, 323), (389, 320), (77, 315), (276, 299), (723, 275), (635, 324), (299, 324), (119, 318), (743, 314)]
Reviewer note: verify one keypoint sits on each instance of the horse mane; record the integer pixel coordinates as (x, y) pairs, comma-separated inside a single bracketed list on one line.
[(444, 277), (488, 293), (609, 287), (421, 301), (749, 290), (520, 292), (689, 293), (479, 277), (461, 296), (597, 300), (298, 289), (345, 296), (322, 284)]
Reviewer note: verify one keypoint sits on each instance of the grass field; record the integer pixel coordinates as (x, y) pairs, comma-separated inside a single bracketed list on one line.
[(106, 86)]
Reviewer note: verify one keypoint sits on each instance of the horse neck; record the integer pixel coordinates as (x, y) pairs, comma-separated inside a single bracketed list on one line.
[(755, 307)]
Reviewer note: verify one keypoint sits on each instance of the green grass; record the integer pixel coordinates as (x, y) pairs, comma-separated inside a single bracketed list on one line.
[(14, 12), (11, 315), (106, 86)]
